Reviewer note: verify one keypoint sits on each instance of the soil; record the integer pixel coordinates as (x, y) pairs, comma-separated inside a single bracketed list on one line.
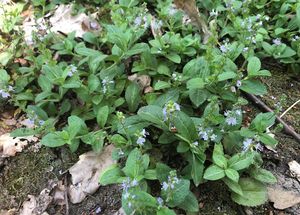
[(29, 172)]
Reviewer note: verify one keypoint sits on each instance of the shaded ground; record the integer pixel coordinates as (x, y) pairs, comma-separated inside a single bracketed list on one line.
[(29, 172)]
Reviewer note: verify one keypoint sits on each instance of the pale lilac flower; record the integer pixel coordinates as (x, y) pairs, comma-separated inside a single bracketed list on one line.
[(165, 186), (238, 112), (239, 83), (41, 122), (245, 49), (259, 147), (232, 89), (120, 152), (157, 24), (172, 11), (223, 48), (29, 123), (160, 201), (277, 41), (138, 21), (72, 70), (134, 183), (231, 120), (94, 25), (246, 144), (140, 141), (4, 94), (195, 143), (129, 204)]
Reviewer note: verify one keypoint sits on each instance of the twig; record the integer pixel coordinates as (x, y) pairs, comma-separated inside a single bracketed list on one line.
[(287, 110), (66, 195), (288, 129)]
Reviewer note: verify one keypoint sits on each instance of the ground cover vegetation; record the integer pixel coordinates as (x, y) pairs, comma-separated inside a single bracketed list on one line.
[(150, 83)]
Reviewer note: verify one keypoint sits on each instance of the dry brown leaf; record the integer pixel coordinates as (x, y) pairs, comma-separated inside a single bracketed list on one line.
[(59, 194), (143, 81), (36, 205), (85, 173), (295, 169), (9, 146), (63, 21), (283, 199), (120, 212), (8, 212), (190, 8)]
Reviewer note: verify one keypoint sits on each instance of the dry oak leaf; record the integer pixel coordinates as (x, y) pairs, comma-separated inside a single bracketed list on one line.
[(9, 146), (37, 205), (63, 21), (283, 199), (85, 173)]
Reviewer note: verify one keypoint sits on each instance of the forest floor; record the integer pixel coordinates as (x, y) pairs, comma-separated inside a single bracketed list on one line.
[(34, 169)]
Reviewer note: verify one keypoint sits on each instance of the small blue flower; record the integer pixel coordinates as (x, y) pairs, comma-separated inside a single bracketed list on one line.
[(277, 41), (160, 201), (165, 186), (4, 94), (231, 120), (134, 183), (246, 144)]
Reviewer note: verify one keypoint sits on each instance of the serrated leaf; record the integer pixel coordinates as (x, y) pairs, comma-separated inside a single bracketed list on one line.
[(233, 186), (263, 175), (254, 193), (214, 173)]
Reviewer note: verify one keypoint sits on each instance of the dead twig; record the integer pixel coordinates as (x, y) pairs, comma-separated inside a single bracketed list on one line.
[(287, 129), (66, 196)]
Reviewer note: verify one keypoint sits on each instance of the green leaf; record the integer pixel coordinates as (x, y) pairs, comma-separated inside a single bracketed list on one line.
[(263, 175), (262, 121), (102, 116), (254, 65), (198, 96), (95, 139), (118, 140), (153, 114), (190, 203), (150, 174), (134, 166), (93, 82), (232, 174), (185, 126), (268, 140), (137, 49), (195, 83), (165, 211), (76, 126), (214, 173), (53, 140), (218, 156), (197, 170), (23, 132), (4, 77), (132, 96), (233, 186), (110, 175), (259, 73), (226, 75), (161, 85), (162, 171), (254, 193), (179, 193), (174, 57), (241, 161), (163, 69), (254, 87)]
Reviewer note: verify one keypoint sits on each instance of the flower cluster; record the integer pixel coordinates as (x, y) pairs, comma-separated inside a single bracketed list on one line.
[(33, 120), (207, 134), (225, 47), (72, 69), (277, 41), (105, 84), (169, 109), (141, 137), (172, 181), (231, 117), (141, 21), (248, 143), (176, 77), (128, 183)]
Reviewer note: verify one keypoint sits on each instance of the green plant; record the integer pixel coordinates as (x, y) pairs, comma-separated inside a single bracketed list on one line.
[(192, 114)]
